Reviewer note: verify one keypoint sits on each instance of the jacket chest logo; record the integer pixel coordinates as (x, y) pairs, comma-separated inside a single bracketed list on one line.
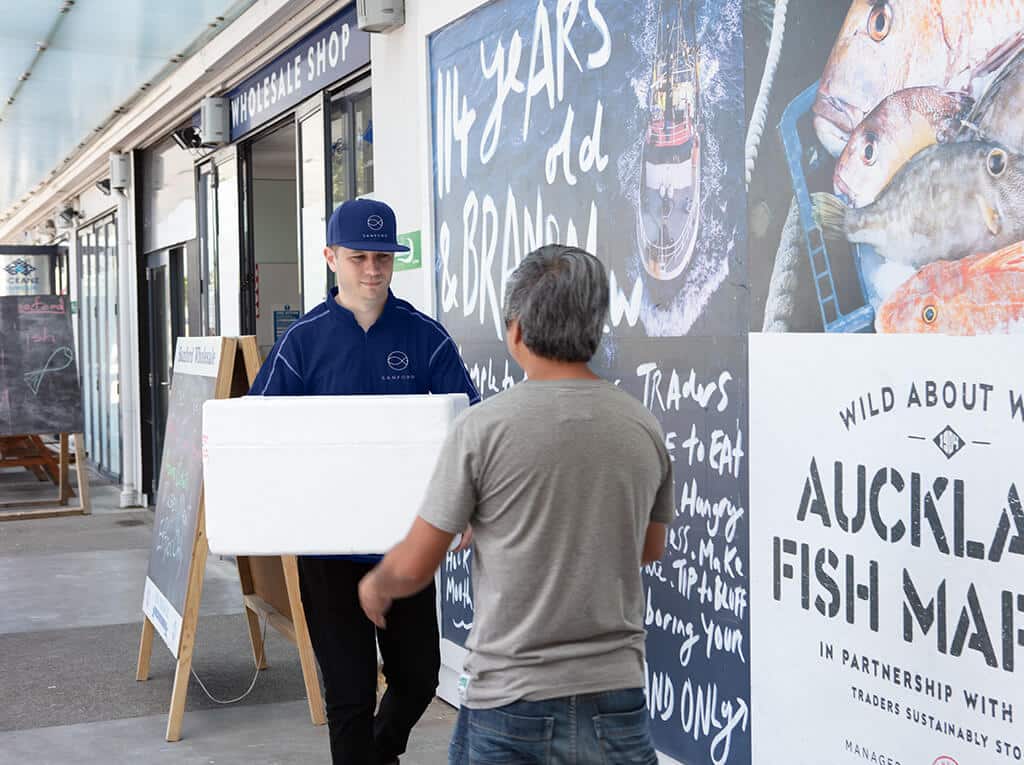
[(398, 361)]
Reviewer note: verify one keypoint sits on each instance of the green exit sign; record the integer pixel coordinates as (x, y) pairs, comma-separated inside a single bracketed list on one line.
[(407, 261)]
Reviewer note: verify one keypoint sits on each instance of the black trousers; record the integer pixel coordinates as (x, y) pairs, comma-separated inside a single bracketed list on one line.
[(345, 644)]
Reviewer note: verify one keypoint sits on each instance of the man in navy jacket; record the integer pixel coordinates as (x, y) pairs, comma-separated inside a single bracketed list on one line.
[(362, 340)]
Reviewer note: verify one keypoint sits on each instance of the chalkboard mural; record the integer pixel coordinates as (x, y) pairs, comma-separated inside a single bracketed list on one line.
[(614, 126), (619, 127), (196, 365), (39, 387), (697, 597)]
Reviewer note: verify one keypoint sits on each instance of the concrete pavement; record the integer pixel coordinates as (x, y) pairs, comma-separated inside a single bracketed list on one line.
[(70, 620)]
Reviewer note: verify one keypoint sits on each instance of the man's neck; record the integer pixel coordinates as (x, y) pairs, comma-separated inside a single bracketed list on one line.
[(366, 314), (546, 369)]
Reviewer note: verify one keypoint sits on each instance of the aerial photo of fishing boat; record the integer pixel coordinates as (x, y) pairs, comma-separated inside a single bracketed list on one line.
[(669, 194)]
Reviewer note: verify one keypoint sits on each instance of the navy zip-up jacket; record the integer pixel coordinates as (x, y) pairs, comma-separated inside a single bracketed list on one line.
[(327, 353)]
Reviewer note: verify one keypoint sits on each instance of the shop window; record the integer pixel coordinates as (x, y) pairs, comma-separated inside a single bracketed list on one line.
[(208, 250)]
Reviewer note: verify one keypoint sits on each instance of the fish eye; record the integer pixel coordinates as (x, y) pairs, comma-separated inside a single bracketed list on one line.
[(869, 149), (880, 21), (996, 162), (929, 314)]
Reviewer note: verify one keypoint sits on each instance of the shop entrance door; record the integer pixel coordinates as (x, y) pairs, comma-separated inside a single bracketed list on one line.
[(166, 314), (275, 296)]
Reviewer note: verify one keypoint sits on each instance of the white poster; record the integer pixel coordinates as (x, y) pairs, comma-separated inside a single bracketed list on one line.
[(164, 617), (887, 549), (198, 356)]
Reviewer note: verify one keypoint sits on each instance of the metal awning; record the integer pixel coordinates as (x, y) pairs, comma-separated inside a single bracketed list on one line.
[(67, 67)]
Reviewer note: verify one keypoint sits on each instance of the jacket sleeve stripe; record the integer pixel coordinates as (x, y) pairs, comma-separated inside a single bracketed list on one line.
[(447, 337), (284, 341)]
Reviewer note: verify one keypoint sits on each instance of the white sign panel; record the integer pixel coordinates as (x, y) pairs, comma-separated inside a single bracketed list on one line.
[(25, 275), (198, 356), (887, 549), (162, 615)]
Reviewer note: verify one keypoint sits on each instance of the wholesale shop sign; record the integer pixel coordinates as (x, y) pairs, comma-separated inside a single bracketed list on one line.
[(334, 50)]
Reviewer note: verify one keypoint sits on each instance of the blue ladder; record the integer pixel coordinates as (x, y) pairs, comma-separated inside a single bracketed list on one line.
[(861, 319)]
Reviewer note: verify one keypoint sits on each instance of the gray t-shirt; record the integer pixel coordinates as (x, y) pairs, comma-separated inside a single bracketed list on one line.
[(560, 480)]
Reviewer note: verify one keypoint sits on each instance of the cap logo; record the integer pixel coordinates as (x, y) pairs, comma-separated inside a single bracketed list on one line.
[(375, 222)]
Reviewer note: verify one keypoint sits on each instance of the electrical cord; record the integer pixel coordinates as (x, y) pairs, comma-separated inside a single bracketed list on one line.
[(259, 661)]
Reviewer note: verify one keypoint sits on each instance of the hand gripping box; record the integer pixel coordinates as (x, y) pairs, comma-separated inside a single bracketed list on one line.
[(316, 475)]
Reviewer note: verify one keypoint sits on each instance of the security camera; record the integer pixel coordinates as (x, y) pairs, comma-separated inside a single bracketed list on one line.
[(69, 215), (187, 138)]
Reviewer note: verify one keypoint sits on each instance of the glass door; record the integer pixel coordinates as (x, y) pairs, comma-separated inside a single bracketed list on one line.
[(229, 250), (166, 315), (99, 346), (112, 370), (351, 147), (351, 143), (312, 204), (87, 320)]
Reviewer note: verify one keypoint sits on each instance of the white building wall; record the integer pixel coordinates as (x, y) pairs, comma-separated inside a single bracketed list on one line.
[(402, 129)]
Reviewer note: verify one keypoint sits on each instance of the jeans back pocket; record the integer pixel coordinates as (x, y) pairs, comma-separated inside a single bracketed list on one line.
[(502, 738), (625, 738)]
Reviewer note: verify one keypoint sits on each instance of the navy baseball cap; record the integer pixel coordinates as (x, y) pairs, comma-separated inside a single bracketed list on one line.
[(364, 224)]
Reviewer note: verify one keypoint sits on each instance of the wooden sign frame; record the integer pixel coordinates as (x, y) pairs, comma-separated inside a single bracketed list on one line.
[(270, 589), (35, 455), (197, 571), (262, 579)]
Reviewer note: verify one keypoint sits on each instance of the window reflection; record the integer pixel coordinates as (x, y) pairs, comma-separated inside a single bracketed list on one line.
[(351, 145)]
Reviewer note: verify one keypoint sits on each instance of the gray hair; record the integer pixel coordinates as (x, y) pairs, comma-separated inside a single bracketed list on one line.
[(559, 295)]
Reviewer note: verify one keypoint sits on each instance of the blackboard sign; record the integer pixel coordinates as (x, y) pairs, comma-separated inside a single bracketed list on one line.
[(39, 388), (197, 367)]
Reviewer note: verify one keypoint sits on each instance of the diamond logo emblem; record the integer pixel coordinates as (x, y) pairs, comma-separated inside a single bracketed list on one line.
[(19, 267), (949, 442)]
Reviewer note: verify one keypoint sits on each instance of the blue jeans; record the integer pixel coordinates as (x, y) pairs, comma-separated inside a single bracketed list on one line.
[(610, 728)]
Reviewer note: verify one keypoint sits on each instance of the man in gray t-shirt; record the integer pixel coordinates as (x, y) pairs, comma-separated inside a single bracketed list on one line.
[(568, 486)]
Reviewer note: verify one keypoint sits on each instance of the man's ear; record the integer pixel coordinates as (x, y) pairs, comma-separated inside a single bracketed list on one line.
[(331, 259), (514, 334)]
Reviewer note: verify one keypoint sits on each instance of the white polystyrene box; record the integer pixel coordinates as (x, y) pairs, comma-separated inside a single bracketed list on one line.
[(319, 474)]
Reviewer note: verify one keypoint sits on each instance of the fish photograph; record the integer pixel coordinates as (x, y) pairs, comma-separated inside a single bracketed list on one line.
[(884, 158), (977, 295)]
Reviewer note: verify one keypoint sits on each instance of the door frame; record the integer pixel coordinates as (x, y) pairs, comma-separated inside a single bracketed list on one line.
[(171, 259)]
